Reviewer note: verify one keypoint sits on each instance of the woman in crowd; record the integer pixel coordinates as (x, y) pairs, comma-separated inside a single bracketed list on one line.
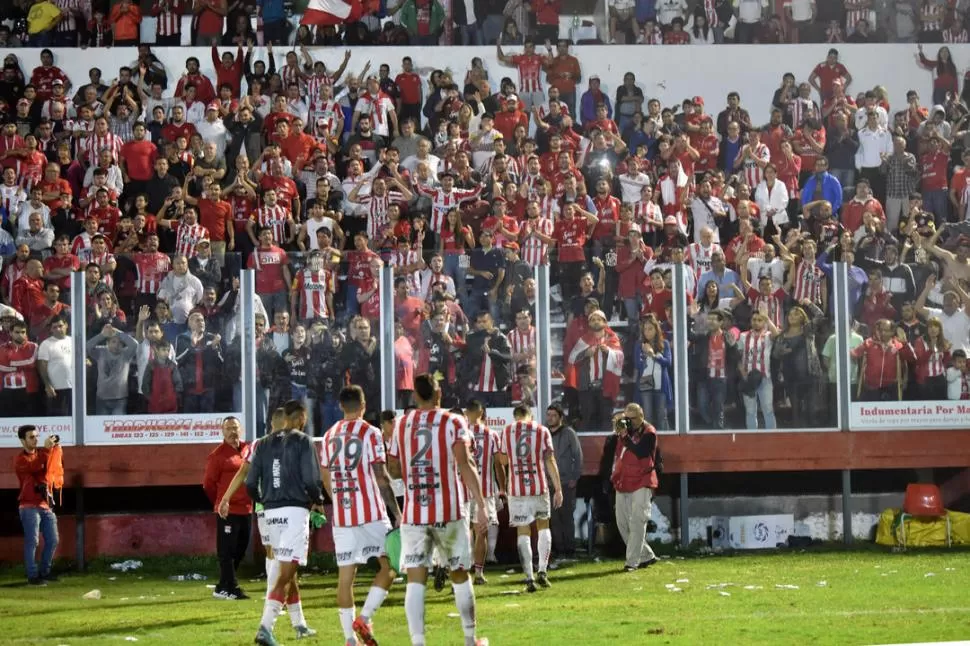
[(654, 389)]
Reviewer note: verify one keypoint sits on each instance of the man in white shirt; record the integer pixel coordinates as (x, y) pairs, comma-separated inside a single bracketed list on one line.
[(212, 129), (633, 181), (424, 155), (181, 290), (875, 144), (55, 365), (707, 211)]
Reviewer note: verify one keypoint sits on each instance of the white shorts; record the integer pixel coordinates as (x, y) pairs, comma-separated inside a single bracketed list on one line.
[(523, 510), (289, 533), (491, 510), (357, 545), (451, 539), (263, 529)]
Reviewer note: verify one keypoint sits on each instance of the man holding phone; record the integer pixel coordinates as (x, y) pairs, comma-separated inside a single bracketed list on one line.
[(35, 502)]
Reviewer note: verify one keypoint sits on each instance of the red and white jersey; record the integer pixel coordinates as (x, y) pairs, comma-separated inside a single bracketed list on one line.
[(293, 75), (532, 182), (168, 17), (756, 351), (442, 202), (11, 197), (404, 258), (349, 451), (674, 196), (313, 85), (753, 174), (717, 356), (523, 342), (379, 107), (808, 283), (932, 15), (549, 208), (151, 268), (530, 72), (274, 218), (486, 443), (774, 305), (103, 260), (325, 118), (95, 143), (533, 249), (423, 441), (955, 38), (376, 207), (313, 287), (527, 444), (856, 10), (486, 382), (23, 360), (699, 256), (648, 215), (187, 238)]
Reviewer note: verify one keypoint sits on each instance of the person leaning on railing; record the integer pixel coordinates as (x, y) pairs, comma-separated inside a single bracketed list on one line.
[(881, 364)]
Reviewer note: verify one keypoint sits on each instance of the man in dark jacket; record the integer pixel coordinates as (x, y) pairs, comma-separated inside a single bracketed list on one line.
[(360, 361), (569, 457), (244, 126), (199, 358), (486, 365)]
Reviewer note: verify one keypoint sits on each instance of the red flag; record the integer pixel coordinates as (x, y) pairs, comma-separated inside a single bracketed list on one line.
[(331, 12), (606, 365)]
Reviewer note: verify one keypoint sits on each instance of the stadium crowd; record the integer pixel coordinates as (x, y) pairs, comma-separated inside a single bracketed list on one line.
[(161, 190)]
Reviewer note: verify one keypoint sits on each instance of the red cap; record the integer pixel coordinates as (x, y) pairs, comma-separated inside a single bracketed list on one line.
[(214, 105), (698, 100), (512, 246)]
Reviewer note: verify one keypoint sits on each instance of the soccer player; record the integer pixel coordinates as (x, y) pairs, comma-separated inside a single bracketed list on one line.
[(285, 478), (353, 464), (277, 423), (526, 447), (430, 450), (486, 446)]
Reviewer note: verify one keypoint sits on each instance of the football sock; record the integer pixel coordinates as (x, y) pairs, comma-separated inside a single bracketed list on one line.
[(374, 600), (525, 555), (347, 621), (296, 613), (492, 541), (414, 609), (465, 601), (272, 571), (545, 548), (271, 610)]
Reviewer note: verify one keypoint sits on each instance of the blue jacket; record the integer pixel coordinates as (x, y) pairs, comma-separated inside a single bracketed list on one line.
[(587, 106), (831, 190), (666, 361)]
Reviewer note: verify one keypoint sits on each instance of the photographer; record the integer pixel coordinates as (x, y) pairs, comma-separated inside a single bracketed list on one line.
[(35, 502), (635, 479)]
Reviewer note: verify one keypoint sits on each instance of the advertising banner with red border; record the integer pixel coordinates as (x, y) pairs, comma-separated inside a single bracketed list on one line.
[(63, 427), (887, 416), (177, 428)]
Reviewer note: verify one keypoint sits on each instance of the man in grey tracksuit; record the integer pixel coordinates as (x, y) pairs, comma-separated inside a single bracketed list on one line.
[(112, 351), (569, 456), (285, 477)]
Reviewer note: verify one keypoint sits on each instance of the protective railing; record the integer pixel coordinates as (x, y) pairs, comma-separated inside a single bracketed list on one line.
[(533, 341)]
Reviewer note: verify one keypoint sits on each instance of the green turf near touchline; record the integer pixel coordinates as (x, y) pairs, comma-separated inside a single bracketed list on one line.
[(825, 597)]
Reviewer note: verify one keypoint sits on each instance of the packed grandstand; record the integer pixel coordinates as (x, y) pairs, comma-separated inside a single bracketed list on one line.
[(321, 169)]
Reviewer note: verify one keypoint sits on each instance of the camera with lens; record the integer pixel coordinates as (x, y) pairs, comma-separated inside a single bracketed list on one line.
[(624, 424)]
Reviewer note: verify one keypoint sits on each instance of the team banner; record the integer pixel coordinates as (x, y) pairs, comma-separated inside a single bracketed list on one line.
[(880, 416), (63, 427), (154, 429)]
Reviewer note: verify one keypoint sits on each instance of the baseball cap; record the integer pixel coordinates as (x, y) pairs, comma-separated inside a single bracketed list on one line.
[(213, 105), (670, 220), (512, 98), (511, 246), (598, 313), (57, 82), (698, 100)]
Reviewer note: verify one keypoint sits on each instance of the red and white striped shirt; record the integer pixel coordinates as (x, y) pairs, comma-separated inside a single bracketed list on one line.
[(96, 143), (442, 202), (379, 108), (293, 75), (168, 17), (274, 218), (349, 450), (486, 445), (313, 85), (549, 208), (530, 72), (648, 215), (534, 249), (858, 10), (953, 38), (931, 15), (404, 258), (313, 288), (376, 206), (932, 360), (756, 351), (808, 283), (423, 441), (699, 256), (187, 237), (70, 9), (774, 303), (523, 342), (753, 174), (11, 197), (325, 117), (717, 356), (527, 444), (151, 268), (486, 382)]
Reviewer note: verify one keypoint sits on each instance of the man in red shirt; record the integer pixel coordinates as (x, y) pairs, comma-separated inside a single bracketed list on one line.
[(507, 119), (934, 187), (232, 531), (35, 510), (28, 289), (215, 214), (273, 276), (137, 161), (229, 69), (409, 87), (178, 126), (826, 73), (18, 370)]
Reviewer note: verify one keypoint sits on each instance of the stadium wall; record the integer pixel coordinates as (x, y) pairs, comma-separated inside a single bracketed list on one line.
[(670, 74)]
